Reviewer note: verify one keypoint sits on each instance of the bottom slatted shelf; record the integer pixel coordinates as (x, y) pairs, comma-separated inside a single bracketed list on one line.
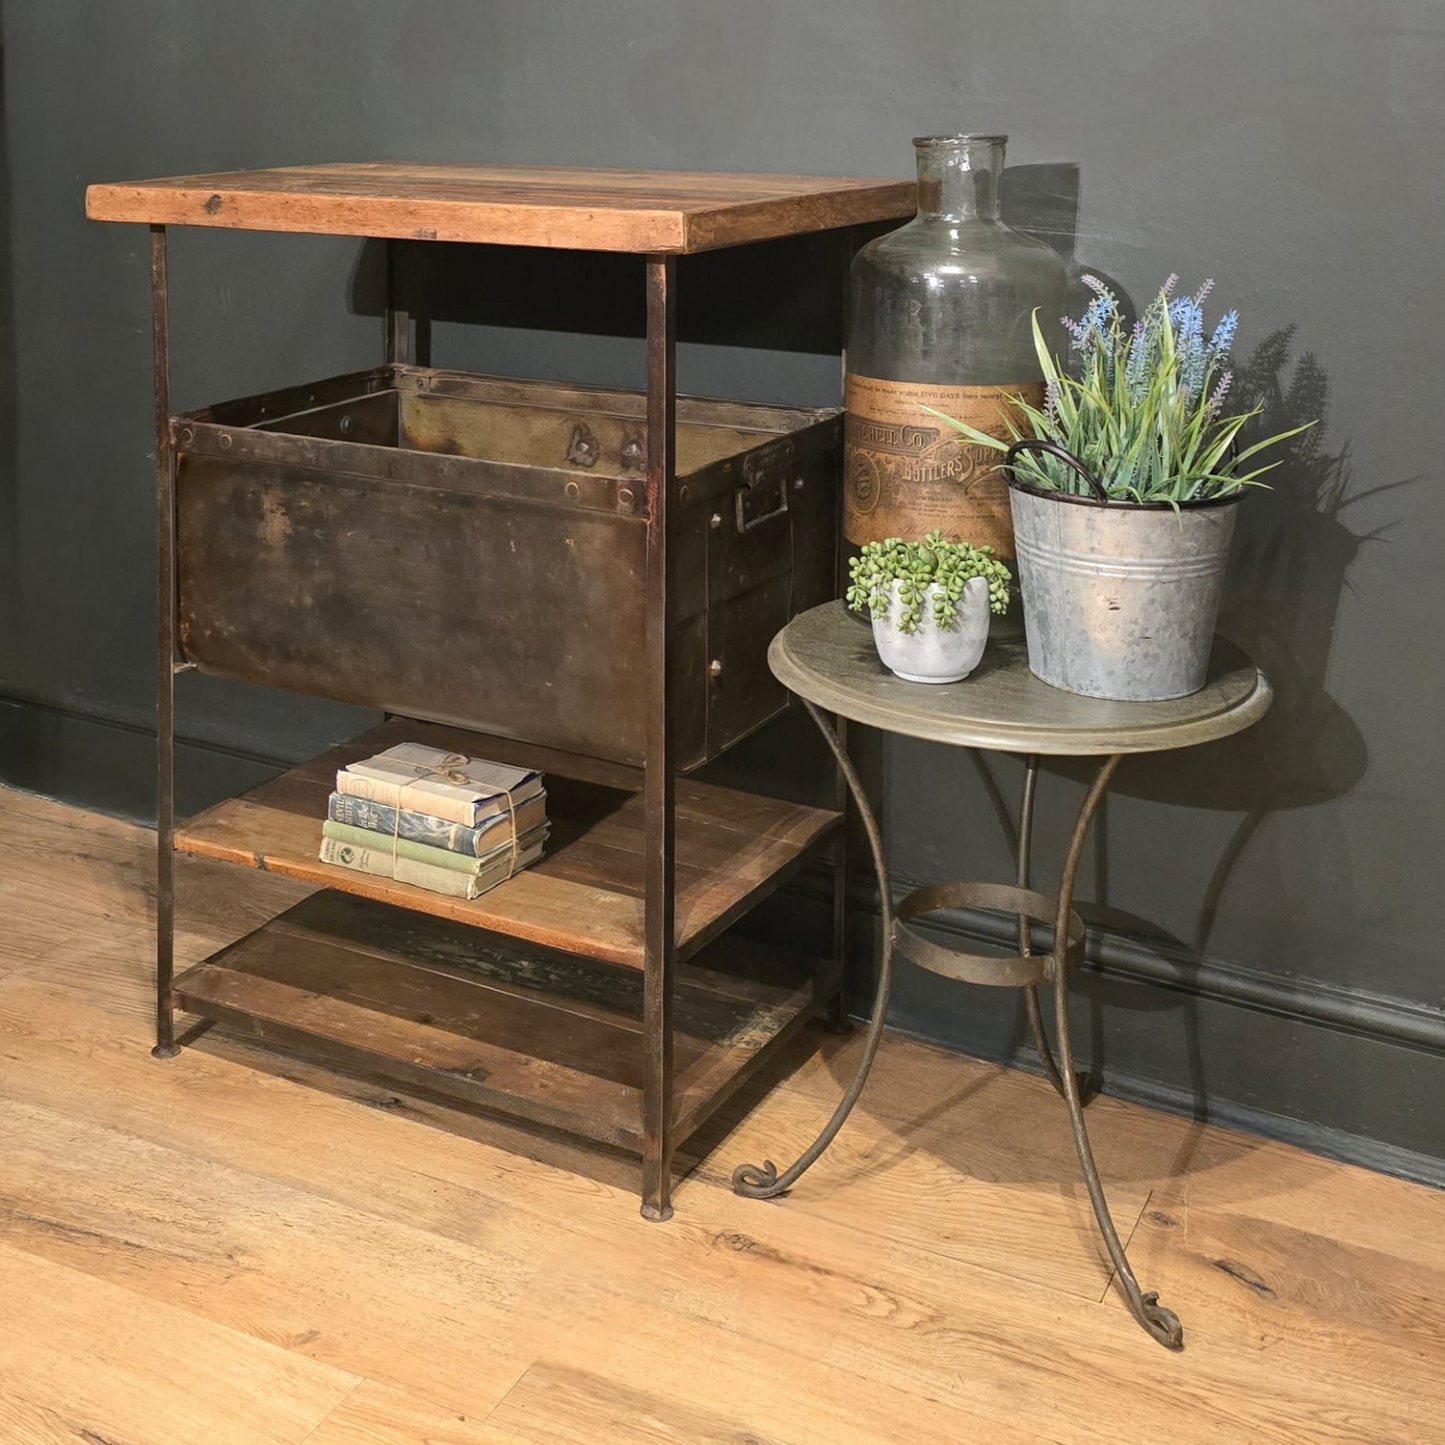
[(483, 1019)]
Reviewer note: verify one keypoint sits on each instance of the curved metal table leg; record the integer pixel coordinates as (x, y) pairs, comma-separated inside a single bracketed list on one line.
[(1031, 992), (767, 1182), (1162, 1323)]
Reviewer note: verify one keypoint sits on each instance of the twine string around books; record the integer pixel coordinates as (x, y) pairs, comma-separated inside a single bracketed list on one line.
[(451, 769)]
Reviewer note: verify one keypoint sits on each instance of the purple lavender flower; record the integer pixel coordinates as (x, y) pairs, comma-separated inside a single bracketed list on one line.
[(1221, 390), (1101, 291), (1136, 367), (1093, 325)]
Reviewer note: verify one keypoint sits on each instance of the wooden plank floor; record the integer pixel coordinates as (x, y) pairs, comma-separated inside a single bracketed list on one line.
[(226, 1248)]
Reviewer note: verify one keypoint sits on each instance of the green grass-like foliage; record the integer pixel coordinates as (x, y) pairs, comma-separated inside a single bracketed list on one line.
[(916, 566), (1145, 414)]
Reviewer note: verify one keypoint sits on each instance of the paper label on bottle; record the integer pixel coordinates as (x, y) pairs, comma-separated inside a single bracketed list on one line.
[(906, 472)]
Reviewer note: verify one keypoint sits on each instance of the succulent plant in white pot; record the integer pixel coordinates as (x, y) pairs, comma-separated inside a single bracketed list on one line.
[(929, 602)]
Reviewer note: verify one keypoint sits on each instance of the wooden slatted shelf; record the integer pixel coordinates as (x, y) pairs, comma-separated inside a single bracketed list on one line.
[(584, 896), (549, 1037)]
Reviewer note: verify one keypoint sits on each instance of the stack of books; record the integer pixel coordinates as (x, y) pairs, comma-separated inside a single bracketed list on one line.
[(439, 820)]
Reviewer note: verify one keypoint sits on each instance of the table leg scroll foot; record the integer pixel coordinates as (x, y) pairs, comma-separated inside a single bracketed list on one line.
[(755, 1183), (1158, 1320), (1161, 1323), (767, 1182)]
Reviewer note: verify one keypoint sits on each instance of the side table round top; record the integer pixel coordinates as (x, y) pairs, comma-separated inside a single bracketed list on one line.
[(827, 656)]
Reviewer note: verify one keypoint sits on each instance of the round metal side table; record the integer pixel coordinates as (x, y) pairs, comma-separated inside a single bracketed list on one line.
[(827, 658)]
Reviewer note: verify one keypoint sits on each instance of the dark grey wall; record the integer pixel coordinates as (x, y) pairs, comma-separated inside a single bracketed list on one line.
[(1284, 882)]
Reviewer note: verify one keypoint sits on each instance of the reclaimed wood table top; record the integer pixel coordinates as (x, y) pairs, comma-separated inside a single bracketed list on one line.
[(558, 206), (827, 656)]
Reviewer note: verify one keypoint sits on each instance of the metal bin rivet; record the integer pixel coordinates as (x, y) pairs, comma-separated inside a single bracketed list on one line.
[(624, 496), (683, 493), (572, 489), (225, 441), (714, 668), (187, 435)]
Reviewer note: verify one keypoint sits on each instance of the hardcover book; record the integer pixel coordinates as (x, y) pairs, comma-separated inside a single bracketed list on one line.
[(450, 786), (436, 857), (435, 832), (384, 864)]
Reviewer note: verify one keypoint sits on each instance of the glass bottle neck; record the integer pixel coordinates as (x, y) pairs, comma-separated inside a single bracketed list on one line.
[(959, 176)]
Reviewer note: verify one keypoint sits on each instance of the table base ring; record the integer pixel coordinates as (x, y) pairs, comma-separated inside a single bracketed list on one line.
[(1016, 971)]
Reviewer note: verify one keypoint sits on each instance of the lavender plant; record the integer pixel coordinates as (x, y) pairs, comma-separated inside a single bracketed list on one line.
[(916, 566), (1146, 414)]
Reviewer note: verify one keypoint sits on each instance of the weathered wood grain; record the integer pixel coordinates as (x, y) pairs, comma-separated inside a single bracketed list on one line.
[(557, 206), (555, 1039), (86, 1360), (584, 896), (322, 1282), (382, 1415)]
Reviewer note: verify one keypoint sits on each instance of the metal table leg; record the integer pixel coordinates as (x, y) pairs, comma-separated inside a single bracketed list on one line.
[(1162, 1323), (767, 1183), (166, 1046), (1031, 991), (659, 834)]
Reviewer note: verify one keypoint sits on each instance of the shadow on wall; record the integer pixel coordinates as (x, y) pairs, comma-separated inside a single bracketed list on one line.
[(782, 295), (1289, 568), (787, 295), (11, 596)]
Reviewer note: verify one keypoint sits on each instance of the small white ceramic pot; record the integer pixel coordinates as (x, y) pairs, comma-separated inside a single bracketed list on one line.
[(934, 653)]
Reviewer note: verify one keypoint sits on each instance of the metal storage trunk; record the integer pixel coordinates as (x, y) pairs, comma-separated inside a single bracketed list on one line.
[(470, 550)]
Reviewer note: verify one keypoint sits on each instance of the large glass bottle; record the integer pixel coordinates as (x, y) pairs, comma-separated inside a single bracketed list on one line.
[(940, 315)]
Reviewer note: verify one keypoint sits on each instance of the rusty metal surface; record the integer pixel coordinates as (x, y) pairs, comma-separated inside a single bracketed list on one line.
[(396, 319), (420, 542), (659, 931), (165, 1046)]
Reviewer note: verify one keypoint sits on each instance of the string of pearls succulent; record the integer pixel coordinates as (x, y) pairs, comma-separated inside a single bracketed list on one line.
[(916, 566)]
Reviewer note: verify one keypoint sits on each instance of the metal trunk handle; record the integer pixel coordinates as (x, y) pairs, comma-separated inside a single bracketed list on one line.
[(746, 523)]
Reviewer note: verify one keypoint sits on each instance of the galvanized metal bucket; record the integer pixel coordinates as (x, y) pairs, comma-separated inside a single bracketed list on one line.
[(1120, 598)]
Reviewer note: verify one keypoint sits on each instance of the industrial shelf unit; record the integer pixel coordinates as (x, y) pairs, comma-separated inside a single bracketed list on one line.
[(599, 991)]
